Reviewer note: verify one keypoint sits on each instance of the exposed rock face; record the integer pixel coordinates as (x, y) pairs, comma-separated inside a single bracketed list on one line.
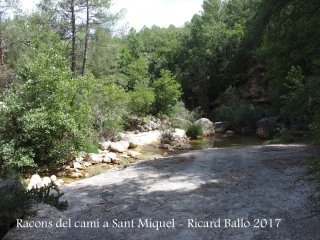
[(266, 127), (11, 207), (120, 146), (208, 126)]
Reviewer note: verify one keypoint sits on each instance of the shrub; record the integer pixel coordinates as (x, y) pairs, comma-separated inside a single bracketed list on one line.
[(14, 199), (237, 113), (194, 130), (166, 135), (46, 118)]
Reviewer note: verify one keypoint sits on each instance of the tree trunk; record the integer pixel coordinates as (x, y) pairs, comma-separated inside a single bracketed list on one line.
[(86, 40), (73, 51)]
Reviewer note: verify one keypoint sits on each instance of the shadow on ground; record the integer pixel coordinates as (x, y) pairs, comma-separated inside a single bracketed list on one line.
[(254, 184)]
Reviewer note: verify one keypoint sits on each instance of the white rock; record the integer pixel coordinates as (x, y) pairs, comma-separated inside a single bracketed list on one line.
[(208, 126), (134, 154), (77, 165), (79, 159), (94, 158), (120, 146), (111, 156), (59, 182), (87, 164), (53, 178), (106, 160), (45, 181), (105, 145), (35, 182), (75, 175)]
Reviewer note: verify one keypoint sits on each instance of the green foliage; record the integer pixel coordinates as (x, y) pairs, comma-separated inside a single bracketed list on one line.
[(237, 113), (46, 118), (18, 199), (194, 131), (167, 93), (110, 106), (141, 100), (181, 112), (166, 135)]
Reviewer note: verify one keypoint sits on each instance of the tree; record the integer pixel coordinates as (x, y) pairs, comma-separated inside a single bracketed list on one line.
[(167, 93)]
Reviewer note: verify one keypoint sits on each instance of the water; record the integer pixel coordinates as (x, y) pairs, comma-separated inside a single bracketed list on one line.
[(152, 151), (217, 141)]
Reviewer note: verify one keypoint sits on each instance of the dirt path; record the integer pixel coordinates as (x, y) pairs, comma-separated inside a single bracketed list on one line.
[(228, 193)]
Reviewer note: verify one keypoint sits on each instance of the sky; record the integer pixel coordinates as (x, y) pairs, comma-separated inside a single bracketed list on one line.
[(149, 12)]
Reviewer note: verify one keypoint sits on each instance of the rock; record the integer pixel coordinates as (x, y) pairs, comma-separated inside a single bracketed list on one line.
[(86, 175), (35, 182), (208, 126), (266, 127), (229, 133), (111, 155), (133, 143), (107, 160), (53, 178), (185, 146), (67, 168), (79, 159), (10, 193), (94, 158), (180, 133), (124, 155), (219, 127), (59, 182), (75, 175), (87, 164), (77, 165), (167, 146), (120, 146), (46, 181), (134, 154), (105, 145)]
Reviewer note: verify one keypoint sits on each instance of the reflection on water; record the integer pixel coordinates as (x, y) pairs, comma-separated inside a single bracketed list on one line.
[(219, 141)]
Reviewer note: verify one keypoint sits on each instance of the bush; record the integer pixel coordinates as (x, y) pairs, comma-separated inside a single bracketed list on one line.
[(45, 119), (194, 130), (166, 135), (15, 200), (237, 113)]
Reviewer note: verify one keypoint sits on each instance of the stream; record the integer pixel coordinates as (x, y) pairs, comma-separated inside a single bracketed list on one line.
[(152, 151)]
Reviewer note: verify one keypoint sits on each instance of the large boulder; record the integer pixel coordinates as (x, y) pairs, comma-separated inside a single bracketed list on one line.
[(120, 146), (208, 126), (11, 204), (266, 127)]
